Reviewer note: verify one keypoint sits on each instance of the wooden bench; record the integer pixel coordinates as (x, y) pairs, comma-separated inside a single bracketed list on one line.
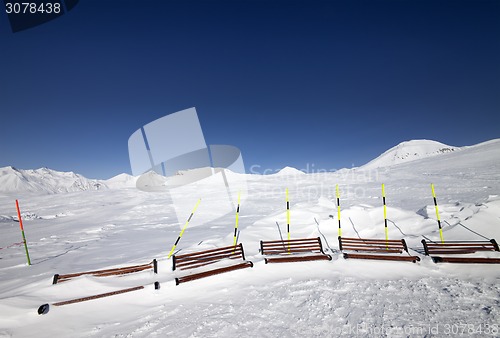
[(459, 248), (294, 250), (107, 272), (225, 259), (379, 249)]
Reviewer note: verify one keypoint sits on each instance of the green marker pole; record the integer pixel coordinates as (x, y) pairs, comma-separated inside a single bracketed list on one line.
[(22, 231)]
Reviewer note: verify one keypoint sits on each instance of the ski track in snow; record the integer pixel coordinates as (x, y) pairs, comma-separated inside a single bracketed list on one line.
[(92, 230)]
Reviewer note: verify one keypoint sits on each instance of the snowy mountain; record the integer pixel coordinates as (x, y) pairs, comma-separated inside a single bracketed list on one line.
[(45, 181), (409, 151), (121, 181), (288, 171), (110, 228)]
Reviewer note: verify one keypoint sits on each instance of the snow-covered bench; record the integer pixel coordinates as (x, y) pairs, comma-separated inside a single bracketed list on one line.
[(218, 260), (380, 249), (294, 250), (107, 272), (460, 248)]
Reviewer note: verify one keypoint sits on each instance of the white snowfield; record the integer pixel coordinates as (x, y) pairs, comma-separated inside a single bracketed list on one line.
[(97, 229), (409, 151)]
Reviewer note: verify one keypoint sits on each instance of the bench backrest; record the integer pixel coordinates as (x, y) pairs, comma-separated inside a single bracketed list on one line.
[(303, 245), (202, 258), (456, 247), (373, 245), (107, 272)]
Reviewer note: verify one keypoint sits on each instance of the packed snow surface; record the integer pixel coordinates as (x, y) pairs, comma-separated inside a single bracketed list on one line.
[(97, 229)]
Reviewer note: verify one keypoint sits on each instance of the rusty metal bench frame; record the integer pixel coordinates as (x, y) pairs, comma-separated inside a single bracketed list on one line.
[(294, 250), (108, 272), (458, 248), (379, 249), (200, 259)]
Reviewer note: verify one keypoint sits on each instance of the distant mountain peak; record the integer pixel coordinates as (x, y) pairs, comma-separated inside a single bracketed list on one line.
[(408, 151), (290, 171)]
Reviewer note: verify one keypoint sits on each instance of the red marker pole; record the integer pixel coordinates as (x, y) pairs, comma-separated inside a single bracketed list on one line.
[(22, 231)]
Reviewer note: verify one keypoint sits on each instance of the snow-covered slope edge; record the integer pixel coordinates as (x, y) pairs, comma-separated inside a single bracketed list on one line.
[(409, 151)]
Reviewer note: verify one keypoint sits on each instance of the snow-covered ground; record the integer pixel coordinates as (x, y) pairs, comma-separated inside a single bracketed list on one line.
[(97, 229)]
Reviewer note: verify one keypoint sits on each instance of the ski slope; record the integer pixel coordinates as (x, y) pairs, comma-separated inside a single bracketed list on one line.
[(97, 229), (409, 151)]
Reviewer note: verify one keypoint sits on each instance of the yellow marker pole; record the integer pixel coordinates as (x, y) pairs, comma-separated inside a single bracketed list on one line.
[(184, 229), (338, 208), (237, 218), (288, 218), (385, 214), (437, 213)]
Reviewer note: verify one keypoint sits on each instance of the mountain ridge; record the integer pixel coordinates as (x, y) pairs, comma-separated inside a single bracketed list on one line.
[(49, 181), (409, 151)]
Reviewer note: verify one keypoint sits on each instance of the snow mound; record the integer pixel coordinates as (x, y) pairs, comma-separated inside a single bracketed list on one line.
[(289, 171), (121, 181), (409, 151), (45, 180), (151, 181)]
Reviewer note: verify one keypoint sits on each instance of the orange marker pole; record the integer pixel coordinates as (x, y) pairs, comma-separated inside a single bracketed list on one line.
[(22, 231)]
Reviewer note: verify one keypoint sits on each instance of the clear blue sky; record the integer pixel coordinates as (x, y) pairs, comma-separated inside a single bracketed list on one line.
[(329, 83)]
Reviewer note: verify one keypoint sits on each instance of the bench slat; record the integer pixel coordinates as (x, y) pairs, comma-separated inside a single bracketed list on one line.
[(214, 255), (198, 264), (294, 250), (107, 272), (380, 250), (413, 259), (375, 246), (466, 260), (238, 247), (383, 249), (204, 274), (459, 247), (311, 240), (369, 240), (211, 256), (200, 259), (453, 251), (381, 244), (291, 247), (293, 258)]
